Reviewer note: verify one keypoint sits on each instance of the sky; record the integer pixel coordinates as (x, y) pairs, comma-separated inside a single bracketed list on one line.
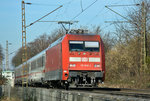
[(95, 15)]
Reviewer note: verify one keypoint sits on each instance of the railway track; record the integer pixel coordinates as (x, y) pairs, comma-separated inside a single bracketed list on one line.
[(138, 93), (91, 94)]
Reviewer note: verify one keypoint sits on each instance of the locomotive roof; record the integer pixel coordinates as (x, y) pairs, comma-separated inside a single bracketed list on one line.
[(61, 38), (56, 42), (82, 34)]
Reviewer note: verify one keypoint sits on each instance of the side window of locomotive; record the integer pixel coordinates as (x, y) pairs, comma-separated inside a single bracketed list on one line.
[(76, 46), (91, 46)]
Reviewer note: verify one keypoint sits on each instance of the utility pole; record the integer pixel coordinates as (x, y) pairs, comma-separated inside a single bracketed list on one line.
[(7, 56), (24, 48), (6, 66), (143, 39), (24, 43)]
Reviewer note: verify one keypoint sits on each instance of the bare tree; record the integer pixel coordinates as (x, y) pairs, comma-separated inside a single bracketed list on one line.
[(17, 59), (123, 59), (38, 45)]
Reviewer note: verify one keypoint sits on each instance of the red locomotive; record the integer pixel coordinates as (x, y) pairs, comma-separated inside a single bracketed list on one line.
[(72, 60)]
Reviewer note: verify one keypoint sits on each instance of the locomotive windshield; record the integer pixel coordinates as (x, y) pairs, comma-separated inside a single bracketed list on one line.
[(83, 46)]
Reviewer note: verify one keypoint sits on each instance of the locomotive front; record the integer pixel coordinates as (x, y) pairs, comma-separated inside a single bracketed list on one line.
[(86, 65)]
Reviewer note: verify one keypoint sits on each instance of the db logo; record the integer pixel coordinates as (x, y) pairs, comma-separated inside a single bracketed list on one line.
[(84, 59)]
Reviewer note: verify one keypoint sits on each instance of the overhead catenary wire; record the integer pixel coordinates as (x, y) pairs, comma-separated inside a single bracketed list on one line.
[(44, 16), (108, 7), (95, 16), (48, 13), (40, 4), (123, 5), (84, 10), (67, 3), (116, 21), (121, 15), (81, 5), (107, 26), (101, 10), (58, 7)]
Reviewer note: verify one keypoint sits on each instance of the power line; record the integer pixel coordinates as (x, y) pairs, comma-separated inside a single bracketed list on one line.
[(123, 5), (81, 5), (40, 4), (96, 15), (102, 10), (68, 2), (121, 15), (44, 16), (116, 21), (55, 18), (84, 10), (107, 26), (62, 23), (71, 22)]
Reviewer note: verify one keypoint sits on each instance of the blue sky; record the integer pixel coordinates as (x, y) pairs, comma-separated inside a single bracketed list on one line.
[(10, 17)]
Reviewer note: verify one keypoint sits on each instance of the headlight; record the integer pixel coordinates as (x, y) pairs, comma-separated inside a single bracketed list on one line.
[(72, 65), (96, 65), (65, 71)]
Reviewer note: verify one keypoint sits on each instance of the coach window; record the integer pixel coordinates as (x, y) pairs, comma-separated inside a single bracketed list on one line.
[(33, 64), (76, 46), (19, 73), (43, 60), (28, 67), (91, 46), (39, 62)]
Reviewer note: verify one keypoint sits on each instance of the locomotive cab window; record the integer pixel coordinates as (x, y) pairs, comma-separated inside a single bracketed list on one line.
[(83, 46), (76, 45), (91, 46)]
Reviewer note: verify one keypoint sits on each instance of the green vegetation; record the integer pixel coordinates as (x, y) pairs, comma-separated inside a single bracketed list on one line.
[(9, 99)]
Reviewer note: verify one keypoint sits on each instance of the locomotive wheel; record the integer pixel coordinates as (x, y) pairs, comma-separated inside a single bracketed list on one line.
[(66, 87)]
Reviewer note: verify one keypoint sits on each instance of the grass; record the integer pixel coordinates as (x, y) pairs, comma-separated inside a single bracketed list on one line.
[(9, 99), (137, 82)]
